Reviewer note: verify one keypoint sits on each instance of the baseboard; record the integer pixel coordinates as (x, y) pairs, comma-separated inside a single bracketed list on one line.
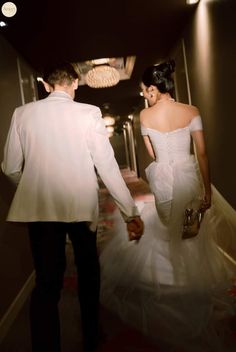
[(11, 314), (231, 259)]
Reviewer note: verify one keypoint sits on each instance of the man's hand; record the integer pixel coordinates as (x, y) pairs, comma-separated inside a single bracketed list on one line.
[(135, 228)]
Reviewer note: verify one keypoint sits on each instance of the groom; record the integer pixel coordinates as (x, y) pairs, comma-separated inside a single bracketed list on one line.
[(51, 152)]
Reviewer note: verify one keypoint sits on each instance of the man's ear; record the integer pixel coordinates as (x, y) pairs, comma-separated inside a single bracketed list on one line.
[(75, 83), (47, 87)]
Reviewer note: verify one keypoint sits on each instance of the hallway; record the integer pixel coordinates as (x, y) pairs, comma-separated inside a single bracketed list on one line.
[(200, 38)]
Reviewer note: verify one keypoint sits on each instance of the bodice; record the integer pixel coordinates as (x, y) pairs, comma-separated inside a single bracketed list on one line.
[(173, 146)]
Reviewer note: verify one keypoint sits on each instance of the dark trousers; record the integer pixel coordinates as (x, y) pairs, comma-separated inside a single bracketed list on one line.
[(48, 249)]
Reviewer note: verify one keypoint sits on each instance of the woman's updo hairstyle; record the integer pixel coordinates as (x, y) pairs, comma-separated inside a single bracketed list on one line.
[(160, 76)]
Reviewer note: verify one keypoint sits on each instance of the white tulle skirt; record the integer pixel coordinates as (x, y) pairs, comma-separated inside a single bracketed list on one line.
[(173, 290)]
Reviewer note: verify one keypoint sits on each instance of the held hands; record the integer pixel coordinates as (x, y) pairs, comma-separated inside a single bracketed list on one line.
[(135, 229)]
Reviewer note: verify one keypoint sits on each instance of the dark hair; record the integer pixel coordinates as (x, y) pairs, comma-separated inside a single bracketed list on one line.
[(61, 73), (160, 76)]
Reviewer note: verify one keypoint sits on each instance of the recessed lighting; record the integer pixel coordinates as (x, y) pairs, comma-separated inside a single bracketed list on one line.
[(100, 61), (192, 2), (9, 9), (3, 24)]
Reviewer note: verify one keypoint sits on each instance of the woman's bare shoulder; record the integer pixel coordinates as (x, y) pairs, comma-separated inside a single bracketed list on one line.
[(189, 110), (193, 110), (143, 114)]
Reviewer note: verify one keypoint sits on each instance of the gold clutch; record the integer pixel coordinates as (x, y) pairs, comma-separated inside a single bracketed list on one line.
[(192, 221)]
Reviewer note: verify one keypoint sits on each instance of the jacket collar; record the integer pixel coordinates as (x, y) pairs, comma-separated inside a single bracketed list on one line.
[(60, 94)]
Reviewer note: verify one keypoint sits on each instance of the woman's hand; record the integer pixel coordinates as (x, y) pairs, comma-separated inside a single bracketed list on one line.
[(206, 202)]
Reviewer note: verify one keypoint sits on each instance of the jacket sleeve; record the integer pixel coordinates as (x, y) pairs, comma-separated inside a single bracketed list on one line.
[(13, 159), (103, 157)]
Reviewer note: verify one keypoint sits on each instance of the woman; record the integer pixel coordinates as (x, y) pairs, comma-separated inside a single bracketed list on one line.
[(174, 289)]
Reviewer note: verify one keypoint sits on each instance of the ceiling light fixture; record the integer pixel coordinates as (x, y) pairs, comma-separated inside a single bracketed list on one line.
[(110, 131), (9, 9), (192, 2), (102, 61), (3, 24), (123, 65), (102, 76), (109, 120)]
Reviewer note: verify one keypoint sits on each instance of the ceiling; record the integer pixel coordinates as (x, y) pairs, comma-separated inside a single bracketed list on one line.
[(74, 30)]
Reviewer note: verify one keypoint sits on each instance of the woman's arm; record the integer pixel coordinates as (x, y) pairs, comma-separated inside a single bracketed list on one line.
[(146, 138), (149, 147), (202, 157)]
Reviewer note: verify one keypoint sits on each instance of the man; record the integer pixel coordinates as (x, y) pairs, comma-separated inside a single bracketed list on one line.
[(51, 152)]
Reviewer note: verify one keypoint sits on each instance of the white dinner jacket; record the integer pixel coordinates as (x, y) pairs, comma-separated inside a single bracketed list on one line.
[(50, 152)]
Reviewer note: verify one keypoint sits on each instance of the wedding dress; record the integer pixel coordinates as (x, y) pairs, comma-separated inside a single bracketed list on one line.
[(174, 290)]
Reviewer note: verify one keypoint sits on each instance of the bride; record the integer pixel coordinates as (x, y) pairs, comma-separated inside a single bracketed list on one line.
[(171, 288)]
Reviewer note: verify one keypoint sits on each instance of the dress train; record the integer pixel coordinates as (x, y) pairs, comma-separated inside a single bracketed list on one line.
[(177, 307)]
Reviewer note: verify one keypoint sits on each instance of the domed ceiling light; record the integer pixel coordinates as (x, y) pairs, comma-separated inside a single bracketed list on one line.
[(102, 76), (105, 72)]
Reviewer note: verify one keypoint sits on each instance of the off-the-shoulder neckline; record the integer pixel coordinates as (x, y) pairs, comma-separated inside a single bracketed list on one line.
[(166, 132), (171, 131)]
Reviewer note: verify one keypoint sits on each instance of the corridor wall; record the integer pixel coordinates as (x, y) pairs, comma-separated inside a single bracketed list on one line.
[(210, 46), (15, 258)]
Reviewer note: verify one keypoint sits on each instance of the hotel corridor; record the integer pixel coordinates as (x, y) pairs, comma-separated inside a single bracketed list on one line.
[(124, 39)]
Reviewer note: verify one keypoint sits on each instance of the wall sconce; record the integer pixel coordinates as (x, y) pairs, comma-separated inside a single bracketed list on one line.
[(109, 120), (110, 131)]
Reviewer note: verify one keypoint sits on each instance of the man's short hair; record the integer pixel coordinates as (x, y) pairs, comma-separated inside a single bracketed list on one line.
[(62, 73)]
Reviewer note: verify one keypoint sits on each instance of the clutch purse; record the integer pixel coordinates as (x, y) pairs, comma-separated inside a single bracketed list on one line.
[(192, 222)]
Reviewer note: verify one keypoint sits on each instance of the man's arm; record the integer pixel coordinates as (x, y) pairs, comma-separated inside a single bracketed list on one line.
[(108, 169), (13, 156)]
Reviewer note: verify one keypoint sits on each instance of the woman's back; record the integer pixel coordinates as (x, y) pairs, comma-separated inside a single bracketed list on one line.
[(168, 115), (168, 126)]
